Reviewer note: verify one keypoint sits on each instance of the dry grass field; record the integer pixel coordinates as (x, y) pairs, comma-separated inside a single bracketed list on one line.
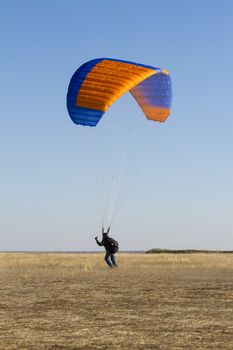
[(155, 301)]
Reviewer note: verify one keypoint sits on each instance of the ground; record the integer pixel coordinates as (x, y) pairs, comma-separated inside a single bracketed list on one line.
[(155, 301)]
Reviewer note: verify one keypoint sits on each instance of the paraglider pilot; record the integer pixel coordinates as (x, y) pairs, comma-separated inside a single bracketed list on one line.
[(111, 246)]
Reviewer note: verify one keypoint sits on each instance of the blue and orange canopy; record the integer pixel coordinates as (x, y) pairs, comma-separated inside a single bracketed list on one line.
[(100, 82)]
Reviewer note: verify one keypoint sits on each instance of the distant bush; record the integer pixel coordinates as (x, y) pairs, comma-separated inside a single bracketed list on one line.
[(184, 251)]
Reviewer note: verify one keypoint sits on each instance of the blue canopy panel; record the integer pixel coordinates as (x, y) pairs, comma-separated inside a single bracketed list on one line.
[(81, 115), (154, 94)]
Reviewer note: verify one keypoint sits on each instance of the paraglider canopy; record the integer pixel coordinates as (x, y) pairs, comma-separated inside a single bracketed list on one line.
[(117, 148), (97, 84)]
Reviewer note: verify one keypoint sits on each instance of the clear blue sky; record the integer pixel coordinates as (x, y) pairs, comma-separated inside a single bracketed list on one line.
[(183, 197)]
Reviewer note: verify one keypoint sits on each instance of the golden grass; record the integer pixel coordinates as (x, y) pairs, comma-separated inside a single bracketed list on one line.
[(73, 301)]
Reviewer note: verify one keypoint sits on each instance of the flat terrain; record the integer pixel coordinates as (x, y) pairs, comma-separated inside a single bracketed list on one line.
[(154, 301)]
